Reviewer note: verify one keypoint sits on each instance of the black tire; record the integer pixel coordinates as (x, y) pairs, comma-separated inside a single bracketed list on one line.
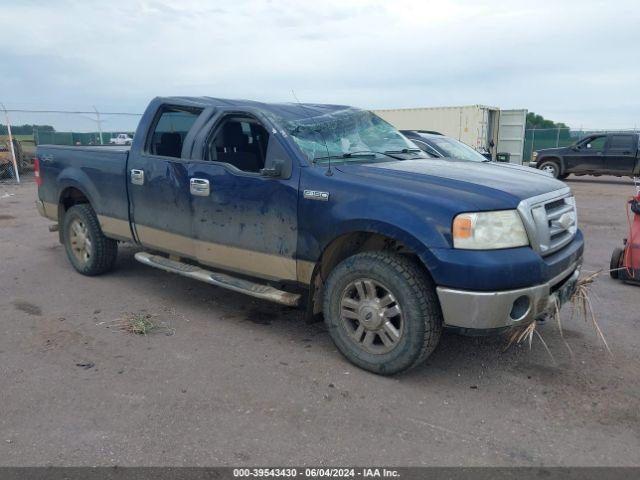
[(550, 166), (616, 262), (413, 292), (100, 253)]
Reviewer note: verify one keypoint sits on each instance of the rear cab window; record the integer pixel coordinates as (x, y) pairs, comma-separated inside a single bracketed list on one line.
[(170, 129), (622, 143)]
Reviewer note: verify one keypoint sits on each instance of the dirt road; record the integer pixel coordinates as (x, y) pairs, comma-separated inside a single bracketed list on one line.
[(235, 381)]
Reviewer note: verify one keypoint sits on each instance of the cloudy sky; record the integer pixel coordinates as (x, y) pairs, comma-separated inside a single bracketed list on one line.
[(576, 62)]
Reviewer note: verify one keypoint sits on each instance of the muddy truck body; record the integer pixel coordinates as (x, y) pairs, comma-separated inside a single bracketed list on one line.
[(323, 207)]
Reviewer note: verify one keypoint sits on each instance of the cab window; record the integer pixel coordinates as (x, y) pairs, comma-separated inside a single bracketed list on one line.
[(241, 142), (596, 143), (622, 143), (170, 129)]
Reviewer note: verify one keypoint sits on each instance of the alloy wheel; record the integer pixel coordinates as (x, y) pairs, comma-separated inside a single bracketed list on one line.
[(372, 316), (80, 240)]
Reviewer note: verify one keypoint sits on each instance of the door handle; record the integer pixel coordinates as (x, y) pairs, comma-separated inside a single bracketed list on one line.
[(199, 187), (137, 176)]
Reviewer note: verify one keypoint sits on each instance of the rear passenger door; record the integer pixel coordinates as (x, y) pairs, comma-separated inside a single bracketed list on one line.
[(159, 198), (620, 154), (244, 221)]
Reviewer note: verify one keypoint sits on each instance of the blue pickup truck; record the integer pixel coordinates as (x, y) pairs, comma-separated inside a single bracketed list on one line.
[(323, 207)]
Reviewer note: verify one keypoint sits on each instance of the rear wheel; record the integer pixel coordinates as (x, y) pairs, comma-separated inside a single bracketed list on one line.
[(88, 250), (382, 312), (551, 167)]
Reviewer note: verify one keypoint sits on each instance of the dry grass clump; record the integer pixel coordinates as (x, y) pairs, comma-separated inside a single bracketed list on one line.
[(580, 305), (526, 334), (140, 324)]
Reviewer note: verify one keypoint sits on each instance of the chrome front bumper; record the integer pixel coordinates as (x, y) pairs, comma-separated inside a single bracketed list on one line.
[(493, 310)]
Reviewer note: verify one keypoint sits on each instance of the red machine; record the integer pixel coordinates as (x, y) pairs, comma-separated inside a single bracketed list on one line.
[(625, 262)]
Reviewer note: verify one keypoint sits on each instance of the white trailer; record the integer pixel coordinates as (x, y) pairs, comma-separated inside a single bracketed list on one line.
[(479, 126)]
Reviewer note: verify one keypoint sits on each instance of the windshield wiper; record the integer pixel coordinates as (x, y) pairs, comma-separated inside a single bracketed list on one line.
[(388, 153), (347, 155), (371, 153), (405, 150)]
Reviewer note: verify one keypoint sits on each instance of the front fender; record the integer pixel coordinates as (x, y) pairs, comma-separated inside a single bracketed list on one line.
[(385, 229)]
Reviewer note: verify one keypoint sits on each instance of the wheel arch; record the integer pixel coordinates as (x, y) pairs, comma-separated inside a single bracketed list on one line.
[(70, 194), (553, 158), (383, 238)]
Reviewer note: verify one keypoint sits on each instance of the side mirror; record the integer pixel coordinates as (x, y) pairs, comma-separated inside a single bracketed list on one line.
[(575, 148), (274, 171)]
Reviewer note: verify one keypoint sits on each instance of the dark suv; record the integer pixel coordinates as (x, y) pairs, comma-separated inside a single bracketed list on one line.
[(600, 154)]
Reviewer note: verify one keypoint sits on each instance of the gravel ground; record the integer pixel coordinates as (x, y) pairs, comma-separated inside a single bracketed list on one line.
[(230, 380)]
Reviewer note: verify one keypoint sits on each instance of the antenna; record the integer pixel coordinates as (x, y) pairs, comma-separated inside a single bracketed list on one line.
[(324, 142)]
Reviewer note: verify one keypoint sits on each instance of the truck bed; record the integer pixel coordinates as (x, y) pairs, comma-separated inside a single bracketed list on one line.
[(98, 171)]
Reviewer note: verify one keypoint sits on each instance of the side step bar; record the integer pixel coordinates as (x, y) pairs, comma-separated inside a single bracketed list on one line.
[(247, 287)]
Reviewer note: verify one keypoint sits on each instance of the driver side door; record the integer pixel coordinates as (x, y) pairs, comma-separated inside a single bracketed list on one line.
[(586, 156), (243, 220)]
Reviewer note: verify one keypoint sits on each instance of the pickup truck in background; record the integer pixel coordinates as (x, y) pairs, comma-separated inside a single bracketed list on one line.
[(602, 154), (324, 207), (121, 139)]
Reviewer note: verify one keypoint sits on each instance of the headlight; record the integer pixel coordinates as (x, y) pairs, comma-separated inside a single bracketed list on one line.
[(534, 156), (489, 230)]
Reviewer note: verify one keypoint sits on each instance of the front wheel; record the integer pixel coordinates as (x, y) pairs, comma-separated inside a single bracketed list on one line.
[(89, 251), (551, 168), (382, 312)]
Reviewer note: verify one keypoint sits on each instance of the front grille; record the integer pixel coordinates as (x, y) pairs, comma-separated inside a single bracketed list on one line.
[(554, 204), (561, 223), (551, 221)]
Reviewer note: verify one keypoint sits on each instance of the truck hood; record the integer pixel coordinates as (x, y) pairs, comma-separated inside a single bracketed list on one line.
[(547, 151), (523, 168), (487, 185)]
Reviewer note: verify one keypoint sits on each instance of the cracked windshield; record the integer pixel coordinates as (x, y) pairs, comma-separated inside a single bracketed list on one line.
[(350, 136)]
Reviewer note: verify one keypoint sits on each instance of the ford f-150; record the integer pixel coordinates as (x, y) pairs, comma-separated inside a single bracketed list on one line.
[(325, 207)]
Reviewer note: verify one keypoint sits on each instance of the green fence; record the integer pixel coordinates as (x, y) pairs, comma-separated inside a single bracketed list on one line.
[(539, 138), (74, 138)]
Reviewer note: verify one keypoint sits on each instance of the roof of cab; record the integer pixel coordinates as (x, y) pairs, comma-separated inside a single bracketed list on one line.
[(287, 111)]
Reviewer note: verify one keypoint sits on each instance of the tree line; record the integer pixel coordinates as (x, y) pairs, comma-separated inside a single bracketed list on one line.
[(538, 122)]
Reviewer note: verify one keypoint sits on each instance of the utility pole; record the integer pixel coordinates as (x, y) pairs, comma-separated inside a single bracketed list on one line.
[(13, 153), (99, 122)]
